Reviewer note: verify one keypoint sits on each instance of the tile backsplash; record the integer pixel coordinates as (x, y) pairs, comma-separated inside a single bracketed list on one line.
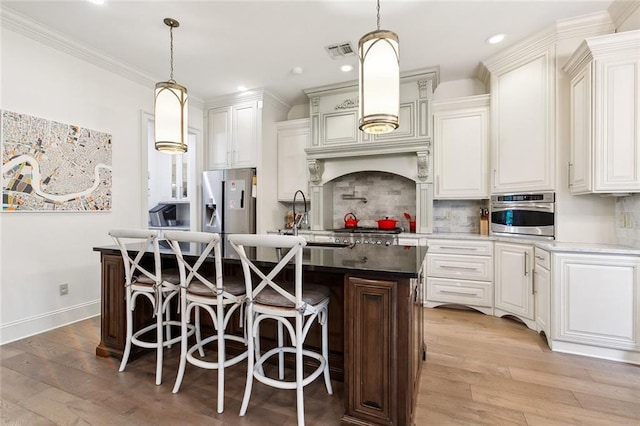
[(628, 231), (387, 195), (457, 216)]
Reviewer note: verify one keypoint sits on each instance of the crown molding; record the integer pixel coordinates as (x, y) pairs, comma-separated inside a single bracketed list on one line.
[(584, 26), (621, 10), (36, 31), (581, 26), (626, 42)]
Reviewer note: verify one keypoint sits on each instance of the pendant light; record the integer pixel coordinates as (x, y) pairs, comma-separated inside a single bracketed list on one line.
[(170, 106), (379, 80)]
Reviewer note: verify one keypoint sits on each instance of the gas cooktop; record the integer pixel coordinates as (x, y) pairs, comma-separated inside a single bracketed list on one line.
[(367, 230)]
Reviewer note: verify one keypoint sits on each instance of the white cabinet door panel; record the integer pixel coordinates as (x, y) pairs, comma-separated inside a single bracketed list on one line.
[(618, 86), (245, 135), (513, 279), (461, 154), (542, 292), (580, 166), (522, 127), (597, 300), (219, 137)]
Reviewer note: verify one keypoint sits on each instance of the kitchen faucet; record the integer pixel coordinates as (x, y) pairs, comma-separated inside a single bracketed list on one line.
[(296, 223)]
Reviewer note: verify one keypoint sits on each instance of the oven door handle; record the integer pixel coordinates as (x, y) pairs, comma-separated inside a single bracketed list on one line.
[(532, 207)]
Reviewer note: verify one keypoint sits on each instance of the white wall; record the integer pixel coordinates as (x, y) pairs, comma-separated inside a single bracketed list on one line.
[(39, 251)]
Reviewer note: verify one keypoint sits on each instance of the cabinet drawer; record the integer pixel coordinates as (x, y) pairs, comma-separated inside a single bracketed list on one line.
[(476, 293), (479, 248), (460, 267), (543, 258)]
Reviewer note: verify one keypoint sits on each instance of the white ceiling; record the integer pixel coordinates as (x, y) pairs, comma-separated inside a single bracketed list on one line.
[(223, 44)]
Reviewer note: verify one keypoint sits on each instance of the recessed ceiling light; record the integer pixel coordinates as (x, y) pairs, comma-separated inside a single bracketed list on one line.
[(496, 38), (242, 89), (296, 70), (98, 2), (346, 68)]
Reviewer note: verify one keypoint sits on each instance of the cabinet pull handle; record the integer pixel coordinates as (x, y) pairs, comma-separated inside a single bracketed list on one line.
[(438, 184), (569, 184), (458, 248), (460, 293), (494, 178), (539, 257), (464, 268), (533, 289), (526, 256)]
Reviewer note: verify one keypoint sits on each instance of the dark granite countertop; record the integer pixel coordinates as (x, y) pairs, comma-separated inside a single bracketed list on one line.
[(393, 261)]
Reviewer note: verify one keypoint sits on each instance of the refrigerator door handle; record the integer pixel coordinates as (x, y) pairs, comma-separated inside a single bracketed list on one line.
[(242, 199)]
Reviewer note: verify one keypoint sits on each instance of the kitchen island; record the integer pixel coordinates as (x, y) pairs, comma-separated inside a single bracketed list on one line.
[(375, 320)]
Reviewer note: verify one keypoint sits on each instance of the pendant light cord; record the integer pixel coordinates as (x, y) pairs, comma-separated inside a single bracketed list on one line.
[(171, 46), (378, 10)]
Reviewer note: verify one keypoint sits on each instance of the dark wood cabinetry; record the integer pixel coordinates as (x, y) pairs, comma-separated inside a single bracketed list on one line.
[(384, 349), (375, 334)]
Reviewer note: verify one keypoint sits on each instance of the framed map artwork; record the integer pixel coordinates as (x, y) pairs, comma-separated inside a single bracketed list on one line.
[(50, 166)]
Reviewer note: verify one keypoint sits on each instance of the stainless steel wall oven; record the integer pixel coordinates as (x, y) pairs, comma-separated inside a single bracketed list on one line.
[(525, 214)]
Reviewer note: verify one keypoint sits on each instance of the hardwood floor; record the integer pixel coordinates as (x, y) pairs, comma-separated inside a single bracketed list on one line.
[(479, 370)]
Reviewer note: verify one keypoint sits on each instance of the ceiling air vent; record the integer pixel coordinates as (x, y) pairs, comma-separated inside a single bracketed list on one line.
[(339, 50)]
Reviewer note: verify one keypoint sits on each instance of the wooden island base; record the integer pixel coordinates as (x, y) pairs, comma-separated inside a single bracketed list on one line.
[(375, 335)]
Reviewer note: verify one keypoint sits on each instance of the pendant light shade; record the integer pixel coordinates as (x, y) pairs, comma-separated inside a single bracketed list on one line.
[(379, 80), (170, 110), (171, 117)]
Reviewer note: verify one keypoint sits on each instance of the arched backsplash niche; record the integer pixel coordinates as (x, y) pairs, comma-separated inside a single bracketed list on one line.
[(373, 195)]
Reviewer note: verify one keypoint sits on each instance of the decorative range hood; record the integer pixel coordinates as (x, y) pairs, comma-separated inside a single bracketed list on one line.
[(338, 147)]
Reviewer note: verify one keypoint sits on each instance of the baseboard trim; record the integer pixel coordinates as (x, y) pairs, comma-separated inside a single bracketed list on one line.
[(37, 324)]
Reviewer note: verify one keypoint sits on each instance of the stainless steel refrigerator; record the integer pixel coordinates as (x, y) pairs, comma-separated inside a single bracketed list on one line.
[(229, 203)]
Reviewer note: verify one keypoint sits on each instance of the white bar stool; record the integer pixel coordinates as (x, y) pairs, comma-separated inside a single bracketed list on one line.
[(217, 296), (295, 308), (150, 283)]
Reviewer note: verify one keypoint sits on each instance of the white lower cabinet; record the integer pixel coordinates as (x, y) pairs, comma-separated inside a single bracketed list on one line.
[(460, 272), (514, 282), (586, 303), (542, 292), (596, 305)]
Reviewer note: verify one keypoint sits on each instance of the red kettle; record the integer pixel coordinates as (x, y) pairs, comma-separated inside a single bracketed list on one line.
[(350, 220)]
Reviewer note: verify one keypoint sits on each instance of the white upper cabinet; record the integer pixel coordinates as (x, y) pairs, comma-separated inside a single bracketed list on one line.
[(233, 135), (461, 148), (605, 113), (522, 121), (293, 138)]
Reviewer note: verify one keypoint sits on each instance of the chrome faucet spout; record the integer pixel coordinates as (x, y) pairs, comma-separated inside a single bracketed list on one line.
[(296, 222)]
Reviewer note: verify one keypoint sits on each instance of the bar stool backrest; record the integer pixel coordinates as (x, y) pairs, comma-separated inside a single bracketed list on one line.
[(133, 244), (189, 271), (293, 246)]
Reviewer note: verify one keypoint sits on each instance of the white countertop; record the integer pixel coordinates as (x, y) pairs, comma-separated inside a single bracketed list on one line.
[(550, 245)]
